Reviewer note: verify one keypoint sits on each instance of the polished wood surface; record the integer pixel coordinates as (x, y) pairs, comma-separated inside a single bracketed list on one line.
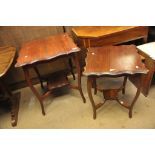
[(16, 36), (98, 31), (91, 36), (113, 60), (7, 55), (46, 49)]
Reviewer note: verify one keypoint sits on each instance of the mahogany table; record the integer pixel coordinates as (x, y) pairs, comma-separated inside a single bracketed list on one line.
[(7, 55), (113, 61), (49, 49), (91, 36)]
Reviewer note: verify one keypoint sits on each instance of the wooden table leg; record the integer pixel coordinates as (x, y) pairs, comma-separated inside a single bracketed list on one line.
[(112, 94), (14, 99), (89, 86), (76, 57), (124, 84), (95, 86), (71, 67), (145, 39), (39, 76), (29, 82), (136, 96)]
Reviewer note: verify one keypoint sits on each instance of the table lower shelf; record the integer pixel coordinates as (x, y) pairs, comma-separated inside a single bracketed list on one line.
[(57, 80)]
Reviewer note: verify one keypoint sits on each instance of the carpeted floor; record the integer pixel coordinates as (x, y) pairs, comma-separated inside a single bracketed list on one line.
[(66, 110)]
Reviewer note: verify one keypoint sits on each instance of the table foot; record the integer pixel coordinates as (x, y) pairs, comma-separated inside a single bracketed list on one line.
[(83, 98), (15, 101), (130, 114), (94, 114)]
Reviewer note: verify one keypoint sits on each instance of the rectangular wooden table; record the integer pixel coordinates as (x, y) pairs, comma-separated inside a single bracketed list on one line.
[(113, 61), (44, 50), (91, 36)]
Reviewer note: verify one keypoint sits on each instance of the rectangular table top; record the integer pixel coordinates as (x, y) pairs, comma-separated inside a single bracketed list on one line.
[(113, 60), (99, 31), (46, 49), (7, 55)]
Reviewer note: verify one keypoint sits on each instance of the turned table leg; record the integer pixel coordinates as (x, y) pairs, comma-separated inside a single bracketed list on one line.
[(14, 99), (29, 82)]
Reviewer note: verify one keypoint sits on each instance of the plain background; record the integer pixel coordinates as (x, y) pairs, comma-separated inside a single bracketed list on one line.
[(77, 13)]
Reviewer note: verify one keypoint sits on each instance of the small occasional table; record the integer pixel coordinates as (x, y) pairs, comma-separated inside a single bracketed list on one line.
[(49, 49), (7, 55), (113, 61), (92, 36)]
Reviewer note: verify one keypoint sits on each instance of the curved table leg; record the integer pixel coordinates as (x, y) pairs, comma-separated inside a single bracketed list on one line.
[(95, 86), (79, 75), (39, 76), (27, 77), (136, 96), (124, 84), (71, 68), (89, 86)]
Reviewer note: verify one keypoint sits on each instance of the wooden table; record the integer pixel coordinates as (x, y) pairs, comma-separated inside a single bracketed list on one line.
[(148, 52), (91, 36), (7, 55), (113, 61), (44, 50)]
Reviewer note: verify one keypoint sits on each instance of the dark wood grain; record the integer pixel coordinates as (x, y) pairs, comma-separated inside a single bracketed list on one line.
[(7, 55), (113, 60), (92, 36), (46, 49)]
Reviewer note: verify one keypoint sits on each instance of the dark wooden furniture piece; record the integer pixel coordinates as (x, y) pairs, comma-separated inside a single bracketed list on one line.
[(7, 55), (148, 52), (113, 61), (92, 36), (44, 50)]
